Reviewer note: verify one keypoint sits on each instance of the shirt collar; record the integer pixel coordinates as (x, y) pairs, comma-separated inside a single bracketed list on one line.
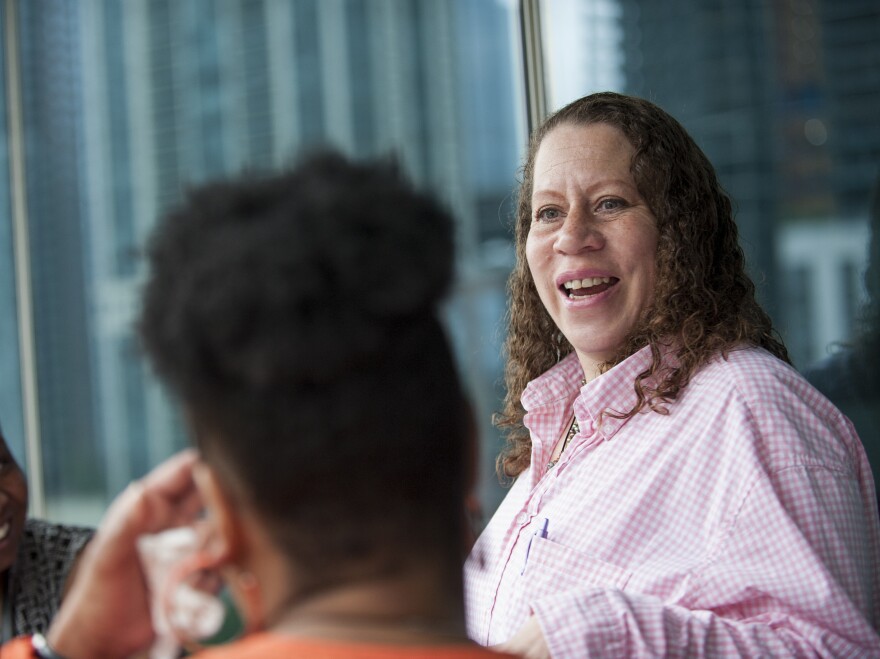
[(613, 391)]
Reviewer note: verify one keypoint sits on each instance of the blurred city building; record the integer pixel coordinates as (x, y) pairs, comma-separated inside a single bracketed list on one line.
[(128, 103), (783, 98)]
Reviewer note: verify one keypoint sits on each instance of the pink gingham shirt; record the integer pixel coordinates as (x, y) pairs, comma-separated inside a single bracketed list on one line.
[(742, 523)]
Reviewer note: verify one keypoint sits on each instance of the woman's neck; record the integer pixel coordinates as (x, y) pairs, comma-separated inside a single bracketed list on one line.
[(404, 610), (590, 364), (410, 630)]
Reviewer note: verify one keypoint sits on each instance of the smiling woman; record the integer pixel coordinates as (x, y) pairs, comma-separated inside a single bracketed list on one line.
[(37, 559), (592, 243), (680, 489)]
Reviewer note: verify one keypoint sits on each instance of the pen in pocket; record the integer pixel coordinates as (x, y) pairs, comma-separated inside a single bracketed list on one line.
[(540, 533)]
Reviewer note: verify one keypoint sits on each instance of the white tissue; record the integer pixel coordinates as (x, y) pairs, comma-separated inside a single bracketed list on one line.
[(193, 612)]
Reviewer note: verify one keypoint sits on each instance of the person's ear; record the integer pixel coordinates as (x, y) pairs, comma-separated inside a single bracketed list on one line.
[(223, 523)]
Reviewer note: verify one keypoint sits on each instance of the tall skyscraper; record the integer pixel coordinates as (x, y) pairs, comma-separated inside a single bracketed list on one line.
[(127, 104), (52, 114), (851, 57), (10, 376), (710, 65), (782, 97)]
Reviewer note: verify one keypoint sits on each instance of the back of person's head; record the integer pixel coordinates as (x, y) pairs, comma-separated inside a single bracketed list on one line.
[(297, 318)]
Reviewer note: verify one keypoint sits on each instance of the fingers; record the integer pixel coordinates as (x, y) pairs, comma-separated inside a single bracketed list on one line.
[(163, 499), (111, 592), (168, 494), (173, 476)]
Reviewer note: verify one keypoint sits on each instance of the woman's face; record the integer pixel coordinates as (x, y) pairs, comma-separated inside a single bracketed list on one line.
[(13, 506), (592, 243)]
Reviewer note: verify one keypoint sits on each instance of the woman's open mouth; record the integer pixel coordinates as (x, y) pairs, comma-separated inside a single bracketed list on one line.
[(578, 288)]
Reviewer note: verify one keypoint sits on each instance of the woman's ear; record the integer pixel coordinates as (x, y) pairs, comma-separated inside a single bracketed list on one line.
[(239, 546), (222, 525)]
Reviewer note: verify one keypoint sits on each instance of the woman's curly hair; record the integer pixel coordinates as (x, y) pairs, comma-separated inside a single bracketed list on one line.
[(704, 300)]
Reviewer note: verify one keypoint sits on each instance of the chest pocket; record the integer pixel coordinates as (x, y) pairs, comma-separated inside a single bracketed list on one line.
[(552, 568)]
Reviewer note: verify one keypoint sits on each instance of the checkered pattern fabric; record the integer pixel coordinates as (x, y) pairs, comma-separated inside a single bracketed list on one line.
[(45, 557), (741, 523)]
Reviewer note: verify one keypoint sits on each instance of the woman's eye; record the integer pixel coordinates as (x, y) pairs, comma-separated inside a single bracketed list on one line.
[(547, 215), (610, 204)]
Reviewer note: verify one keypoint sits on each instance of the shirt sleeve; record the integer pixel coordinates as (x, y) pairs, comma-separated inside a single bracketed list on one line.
[(45, 557), (794, 577), (18, 648)]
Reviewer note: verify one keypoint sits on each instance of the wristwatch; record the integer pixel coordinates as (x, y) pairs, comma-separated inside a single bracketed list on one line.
[(42, 649)]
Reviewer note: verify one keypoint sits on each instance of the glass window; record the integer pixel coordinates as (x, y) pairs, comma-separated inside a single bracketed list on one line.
[(783, 99), (11, 412), (128, 103)]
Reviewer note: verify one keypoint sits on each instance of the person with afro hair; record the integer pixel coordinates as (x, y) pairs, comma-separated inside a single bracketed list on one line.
[(296, 319)]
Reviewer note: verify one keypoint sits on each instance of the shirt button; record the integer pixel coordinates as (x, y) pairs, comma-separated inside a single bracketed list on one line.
[(522, 518)]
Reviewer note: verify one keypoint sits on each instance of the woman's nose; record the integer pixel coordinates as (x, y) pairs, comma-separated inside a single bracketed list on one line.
[(578, 233)]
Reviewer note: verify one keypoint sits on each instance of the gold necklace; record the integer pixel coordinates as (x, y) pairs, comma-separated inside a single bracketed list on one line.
[(573, 430)]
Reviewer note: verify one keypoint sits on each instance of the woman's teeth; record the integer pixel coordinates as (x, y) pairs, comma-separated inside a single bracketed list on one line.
[(588, 286), (4, 530), (587, 282)]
